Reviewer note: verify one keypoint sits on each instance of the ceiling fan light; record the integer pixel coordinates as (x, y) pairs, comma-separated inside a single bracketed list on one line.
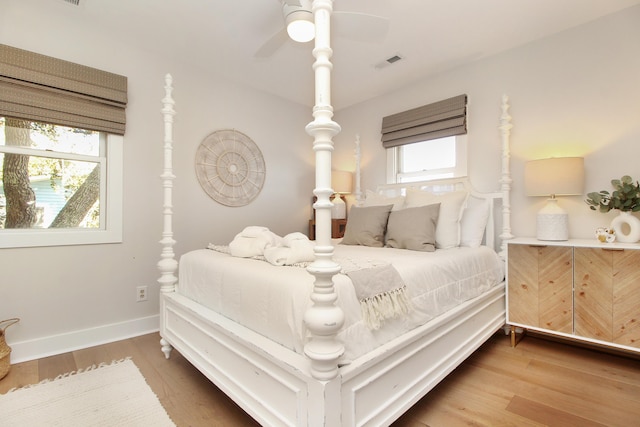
[(300, 26)]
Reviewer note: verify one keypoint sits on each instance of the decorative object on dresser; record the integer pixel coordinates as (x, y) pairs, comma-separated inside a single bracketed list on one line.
[(341, 183), (579, 289), (626, 199), (557, 176)]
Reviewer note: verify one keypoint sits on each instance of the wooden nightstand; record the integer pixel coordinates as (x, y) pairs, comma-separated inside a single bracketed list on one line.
[(337, 228), (578, 289)]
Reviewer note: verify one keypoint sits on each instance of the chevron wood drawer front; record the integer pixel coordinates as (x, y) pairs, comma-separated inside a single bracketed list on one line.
[(578, 289), (540, 286)]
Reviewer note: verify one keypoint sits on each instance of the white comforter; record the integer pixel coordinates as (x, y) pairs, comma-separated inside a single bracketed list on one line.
[(271, 300)]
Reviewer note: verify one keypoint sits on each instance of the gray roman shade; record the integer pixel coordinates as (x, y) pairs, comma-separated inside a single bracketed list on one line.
[(437, 120), (41, 88)]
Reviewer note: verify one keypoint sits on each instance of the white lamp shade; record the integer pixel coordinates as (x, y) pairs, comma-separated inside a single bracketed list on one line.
[(341, 182), (558, 176)]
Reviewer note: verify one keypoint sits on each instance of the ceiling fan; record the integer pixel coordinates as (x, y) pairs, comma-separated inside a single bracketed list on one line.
[(352, 25)]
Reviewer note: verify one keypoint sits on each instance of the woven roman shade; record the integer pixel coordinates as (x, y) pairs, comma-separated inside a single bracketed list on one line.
[(432, 121), (44, 89)]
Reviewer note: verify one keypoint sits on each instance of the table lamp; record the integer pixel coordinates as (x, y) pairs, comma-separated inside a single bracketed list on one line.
[(341, 185), (557, 176)]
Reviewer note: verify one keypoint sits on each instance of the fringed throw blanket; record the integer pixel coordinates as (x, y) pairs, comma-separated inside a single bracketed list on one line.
[(378, 285), (379, 288)]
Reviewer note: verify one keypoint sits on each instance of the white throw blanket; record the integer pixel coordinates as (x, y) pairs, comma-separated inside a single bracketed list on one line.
[(295, 248), (252, 241), (256, 242)]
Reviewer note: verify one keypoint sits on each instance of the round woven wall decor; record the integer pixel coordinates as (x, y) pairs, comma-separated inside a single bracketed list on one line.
[(230, 167)]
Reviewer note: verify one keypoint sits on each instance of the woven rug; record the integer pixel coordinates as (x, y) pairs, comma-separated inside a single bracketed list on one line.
[(106, 395)]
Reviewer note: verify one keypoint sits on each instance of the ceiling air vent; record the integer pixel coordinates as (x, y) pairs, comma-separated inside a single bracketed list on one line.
[(388, 61)]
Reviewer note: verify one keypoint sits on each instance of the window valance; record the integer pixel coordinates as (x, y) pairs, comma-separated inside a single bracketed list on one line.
[(432, 121), (41, 88)]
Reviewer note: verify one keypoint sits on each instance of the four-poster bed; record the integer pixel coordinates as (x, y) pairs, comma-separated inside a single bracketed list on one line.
[(310, 382)]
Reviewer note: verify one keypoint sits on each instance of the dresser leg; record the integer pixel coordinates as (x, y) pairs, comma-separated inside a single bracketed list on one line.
[(515, 337)]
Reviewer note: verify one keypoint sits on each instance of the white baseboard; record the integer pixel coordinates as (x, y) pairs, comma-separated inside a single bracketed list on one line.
[(57, 344)]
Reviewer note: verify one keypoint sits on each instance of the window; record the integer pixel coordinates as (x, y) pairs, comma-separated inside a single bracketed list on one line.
[(58, 185), (427, 142), (435, 159), (61, 144)]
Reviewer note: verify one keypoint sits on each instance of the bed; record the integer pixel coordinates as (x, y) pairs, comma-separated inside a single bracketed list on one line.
[(305, 354)]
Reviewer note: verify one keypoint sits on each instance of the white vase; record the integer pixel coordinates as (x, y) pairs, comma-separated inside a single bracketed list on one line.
[(627, 227)]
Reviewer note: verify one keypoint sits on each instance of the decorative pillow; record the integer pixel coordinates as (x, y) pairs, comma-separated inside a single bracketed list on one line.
[(474, 222), (374, 199), (413, 228), (366, 226), (451, 207)]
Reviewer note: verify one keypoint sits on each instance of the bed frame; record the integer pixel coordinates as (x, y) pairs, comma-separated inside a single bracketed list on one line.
[(278, 386)]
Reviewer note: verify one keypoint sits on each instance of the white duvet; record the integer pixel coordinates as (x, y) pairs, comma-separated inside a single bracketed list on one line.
[(271, 300)]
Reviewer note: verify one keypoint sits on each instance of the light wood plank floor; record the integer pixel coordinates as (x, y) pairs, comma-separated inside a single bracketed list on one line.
[(538, 383)]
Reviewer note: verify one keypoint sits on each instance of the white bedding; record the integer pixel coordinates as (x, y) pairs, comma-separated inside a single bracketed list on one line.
[(271, 300)]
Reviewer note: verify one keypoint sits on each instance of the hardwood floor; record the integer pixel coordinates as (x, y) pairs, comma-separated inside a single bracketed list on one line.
[(538, 383)]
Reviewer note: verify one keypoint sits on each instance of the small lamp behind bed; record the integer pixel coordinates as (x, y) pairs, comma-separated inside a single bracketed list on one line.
[(341, 182), (558, 176)]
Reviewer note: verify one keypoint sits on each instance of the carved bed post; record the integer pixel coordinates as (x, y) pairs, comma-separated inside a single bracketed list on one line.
[(505, 180), (358, 156), (167, 264), (323, 319)]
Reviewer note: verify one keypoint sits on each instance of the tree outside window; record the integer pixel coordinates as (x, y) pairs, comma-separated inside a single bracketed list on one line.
[(51, 176)]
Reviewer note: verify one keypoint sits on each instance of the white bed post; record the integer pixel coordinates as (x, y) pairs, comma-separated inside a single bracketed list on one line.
[(323, 319), (167, 264), (358, 176), (505, 180)]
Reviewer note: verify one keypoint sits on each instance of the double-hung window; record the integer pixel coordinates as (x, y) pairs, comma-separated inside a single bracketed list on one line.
[(427, 142), (61, 146)]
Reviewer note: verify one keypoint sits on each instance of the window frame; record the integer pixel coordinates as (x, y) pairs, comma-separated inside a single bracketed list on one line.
[(111, 210), (394, 176)]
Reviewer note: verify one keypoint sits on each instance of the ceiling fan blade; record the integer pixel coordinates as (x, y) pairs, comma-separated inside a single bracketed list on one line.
[(273, 44), (360, 26)]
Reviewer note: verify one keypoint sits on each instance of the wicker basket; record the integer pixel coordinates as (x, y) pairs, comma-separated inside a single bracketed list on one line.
[(5, 350)]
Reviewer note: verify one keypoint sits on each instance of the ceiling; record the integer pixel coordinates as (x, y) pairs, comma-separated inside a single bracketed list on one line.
[(432, 36)]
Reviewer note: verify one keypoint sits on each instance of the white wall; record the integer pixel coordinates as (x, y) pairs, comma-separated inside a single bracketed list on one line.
[(70, 297), (574, 94)]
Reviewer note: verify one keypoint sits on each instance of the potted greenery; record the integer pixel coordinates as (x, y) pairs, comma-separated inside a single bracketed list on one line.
[(625, 198)]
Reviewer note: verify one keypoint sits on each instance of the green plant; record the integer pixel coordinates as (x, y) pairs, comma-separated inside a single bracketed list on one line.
[(625, 196)]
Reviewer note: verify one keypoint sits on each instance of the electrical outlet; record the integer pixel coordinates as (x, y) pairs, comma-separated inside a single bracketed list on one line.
[(141, 293)]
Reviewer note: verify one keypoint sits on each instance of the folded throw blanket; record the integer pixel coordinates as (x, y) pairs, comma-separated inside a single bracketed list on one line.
[(381, 292), (296, 248), (252, 241)]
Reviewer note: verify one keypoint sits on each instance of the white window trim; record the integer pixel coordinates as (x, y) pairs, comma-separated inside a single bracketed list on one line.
[(460, 170), (112, 230)]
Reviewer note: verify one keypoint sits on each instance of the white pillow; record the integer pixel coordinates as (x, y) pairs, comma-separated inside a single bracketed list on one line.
[(374, 199), (451, 208), (474, 222)]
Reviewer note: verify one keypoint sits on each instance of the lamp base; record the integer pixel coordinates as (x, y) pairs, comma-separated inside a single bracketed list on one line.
[(339, 209), (552, 222)]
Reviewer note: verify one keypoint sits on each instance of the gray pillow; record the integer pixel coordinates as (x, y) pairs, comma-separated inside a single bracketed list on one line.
[(413, 228), (366, 226)]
